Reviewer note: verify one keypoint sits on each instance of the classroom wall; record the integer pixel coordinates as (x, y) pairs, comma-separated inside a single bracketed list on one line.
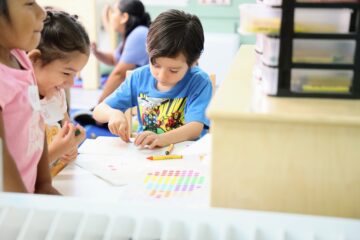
[(220, 24), (215, 18)]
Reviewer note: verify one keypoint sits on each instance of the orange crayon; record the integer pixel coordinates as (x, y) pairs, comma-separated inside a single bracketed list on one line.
[(165, 157)]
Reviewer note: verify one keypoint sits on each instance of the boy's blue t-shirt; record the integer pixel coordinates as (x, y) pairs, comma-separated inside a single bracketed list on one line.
[(134, 51), (163, 111)]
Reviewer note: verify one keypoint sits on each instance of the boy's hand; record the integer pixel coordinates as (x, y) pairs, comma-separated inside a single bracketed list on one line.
[(151, 139), (118, 126)]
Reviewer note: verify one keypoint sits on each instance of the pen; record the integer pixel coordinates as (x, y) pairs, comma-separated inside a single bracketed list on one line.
[(169, 149), (165, 157)]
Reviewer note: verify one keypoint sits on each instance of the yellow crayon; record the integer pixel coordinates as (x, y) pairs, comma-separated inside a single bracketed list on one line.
[(169, 149), (57, 167), (165, 157)]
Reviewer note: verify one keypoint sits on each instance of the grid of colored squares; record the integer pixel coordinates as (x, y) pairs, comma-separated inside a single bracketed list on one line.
[(173, 183)]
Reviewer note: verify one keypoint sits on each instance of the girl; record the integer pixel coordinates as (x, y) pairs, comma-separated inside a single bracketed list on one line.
[(26, 166), (63, 51), (128, 18)]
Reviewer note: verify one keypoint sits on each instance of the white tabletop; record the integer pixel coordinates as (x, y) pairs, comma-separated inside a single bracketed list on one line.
[(85, 183)]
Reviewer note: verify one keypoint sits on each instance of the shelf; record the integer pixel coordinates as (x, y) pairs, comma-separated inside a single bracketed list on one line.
[(326, 35), (323, 66), (287, 36), (327, 5)]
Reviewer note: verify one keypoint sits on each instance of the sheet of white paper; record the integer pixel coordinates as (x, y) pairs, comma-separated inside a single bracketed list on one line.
[(119, 163), (117, 170), (115, 146), (201, 146)]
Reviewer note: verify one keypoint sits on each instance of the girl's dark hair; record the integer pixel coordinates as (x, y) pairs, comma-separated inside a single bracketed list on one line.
[(4, 9), (174, 32), (137, 14), (62, 34)]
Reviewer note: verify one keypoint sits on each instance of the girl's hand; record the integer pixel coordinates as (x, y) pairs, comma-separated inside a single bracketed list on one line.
[(119, 126), (70, 156), (151, 139), (67, 139)]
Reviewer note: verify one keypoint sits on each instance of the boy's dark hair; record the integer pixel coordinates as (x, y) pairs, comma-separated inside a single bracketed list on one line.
[(4, 9), (62, 34), (174, 32), (137, 14)]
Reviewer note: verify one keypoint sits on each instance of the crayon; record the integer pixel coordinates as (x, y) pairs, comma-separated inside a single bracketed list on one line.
[(169, 149), (57, 167), (165, 157)]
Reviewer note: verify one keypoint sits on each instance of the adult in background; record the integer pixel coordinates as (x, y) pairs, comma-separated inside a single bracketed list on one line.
[(131, 21)]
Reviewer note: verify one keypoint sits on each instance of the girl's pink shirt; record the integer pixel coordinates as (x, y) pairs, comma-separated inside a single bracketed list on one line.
[(23, 123)]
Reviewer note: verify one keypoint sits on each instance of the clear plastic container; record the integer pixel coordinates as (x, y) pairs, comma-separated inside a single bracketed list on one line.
[(259, 18), (259, 43), (311, 51), (279, 2), (269, 79), (321, 81), (309, 80), (272, 2), (328, 1)]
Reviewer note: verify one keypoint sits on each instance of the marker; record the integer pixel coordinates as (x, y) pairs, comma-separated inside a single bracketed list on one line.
[(77, 132), (169, 149), (165, 157)]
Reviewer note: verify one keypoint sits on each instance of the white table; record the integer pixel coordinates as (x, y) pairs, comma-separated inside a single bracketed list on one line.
[(79, 182)]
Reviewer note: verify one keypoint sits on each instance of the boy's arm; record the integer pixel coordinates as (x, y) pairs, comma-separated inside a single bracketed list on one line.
[(43, 179), (116, 120), (103, 112), (187, 132), (116, 77), (12, 179)]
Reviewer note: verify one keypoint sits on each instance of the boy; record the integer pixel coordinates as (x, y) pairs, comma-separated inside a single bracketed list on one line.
[(171, 93)]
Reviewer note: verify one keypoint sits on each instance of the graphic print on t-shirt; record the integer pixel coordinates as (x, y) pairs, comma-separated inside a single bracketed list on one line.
[(160, 115)]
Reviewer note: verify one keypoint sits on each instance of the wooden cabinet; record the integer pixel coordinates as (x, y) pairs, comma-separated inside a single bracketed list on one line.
[(283, 154)]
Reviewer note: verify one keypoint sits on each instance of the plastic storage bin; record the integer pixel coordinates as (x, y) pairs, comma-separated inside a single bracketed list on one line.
[(269, 79), (279, 2), (258, 18), (259, 43), (311, 51), (309, 80), (321, 81)]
